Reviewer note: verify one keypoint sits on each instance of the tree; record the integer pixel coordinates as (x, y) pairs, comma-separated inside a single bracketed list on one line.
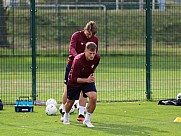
[(3, 26)]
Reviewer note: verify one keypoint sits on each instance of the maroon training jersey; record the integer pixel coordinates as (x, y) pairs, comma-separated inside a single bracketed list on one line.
[(77, 44), (81, 68)]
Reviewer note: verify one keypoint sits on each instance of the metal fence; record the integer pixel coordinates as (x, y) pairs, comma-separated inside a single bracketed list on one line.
[(139, 45)]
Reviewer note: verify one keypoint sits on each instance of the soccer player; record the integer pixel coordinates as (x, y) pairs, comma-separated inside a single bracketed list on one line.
[(81, 78), (77, 46)]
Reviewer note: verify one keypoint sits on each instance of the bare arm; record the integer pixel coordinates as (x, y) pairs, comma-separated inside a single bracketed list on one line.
[(72, 48)]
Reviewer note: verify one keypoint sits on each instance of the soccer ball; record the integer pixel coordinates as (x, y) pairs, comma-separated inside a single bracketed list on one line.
[(51, 101), (76, 104), (178, 96), (51, 109), (72, 110)]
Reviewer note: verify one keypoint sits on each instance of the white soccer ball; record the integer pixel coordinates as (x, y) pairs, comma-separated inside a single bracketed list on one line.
[(76, 104), (51, 101), (72, 110), (51, 109), (178, 96)]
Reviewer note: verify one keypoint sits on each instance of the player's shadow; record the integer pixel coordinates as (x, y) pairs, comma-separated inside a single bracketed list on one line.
[(127, 129)]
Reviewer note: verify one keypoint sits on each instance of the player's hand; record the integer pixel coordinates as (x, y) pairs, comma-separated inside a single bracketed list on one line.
[(91, 78)]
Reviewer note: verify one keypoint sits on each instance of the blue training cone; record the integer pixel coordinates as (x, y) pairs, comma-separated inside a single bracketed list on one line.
[(178, 119)]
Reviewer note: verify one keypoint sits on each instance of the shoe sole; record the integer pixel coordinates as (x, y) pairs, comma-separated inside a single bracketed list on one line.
[(80, 119), (90, 126), (66, 123)]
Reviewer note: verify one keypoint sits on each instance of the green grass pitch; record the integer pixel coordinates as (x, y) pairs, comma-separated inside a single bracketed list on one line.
[(110, 119)]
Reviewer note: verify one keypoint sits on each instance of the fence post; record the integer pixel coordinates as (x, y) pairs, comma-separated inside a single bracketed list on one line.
[(33, 45), (107, 44), (148, 48)]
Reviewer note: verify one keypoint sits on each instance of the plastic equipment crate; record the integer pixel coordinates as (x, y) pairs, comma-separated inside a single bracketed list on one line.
[(24, 104)]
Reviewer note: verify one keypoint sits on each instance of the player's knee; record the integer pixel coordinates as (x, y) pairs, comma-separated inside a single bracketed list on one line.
[(70, 103), (93, 98)]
